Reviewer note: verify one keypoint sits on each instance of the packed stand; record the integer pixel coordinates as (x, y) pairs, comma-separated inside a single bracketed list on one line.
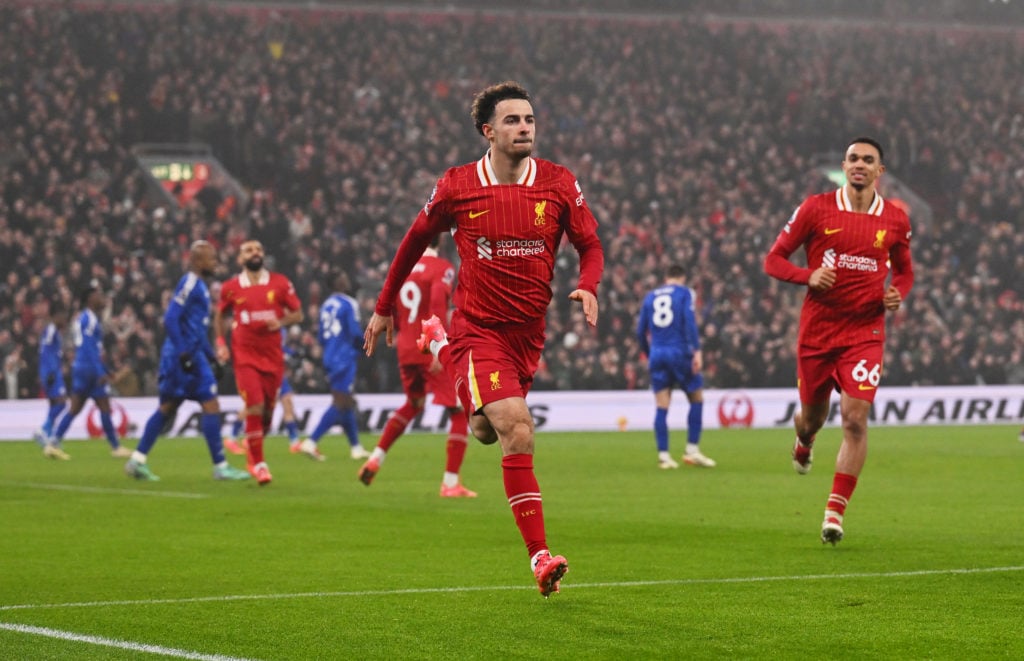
[(693, 142)]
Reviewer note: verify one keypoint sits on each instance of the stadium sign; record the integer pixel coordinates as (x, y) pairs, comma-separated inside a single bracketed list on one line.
[(586, 411)]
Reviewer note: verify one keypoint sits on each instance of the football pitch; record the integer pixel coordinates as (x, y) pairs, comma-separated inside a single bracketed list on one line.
[(687, 563)]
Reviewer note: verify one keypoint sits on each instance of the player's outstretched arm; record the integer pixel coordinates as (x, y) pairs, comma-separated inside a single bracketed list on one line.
[(589, 304), (378, 324)]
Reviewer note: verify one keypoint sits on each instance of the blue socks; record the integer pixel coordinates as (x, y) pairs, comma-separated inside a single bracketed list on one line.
[(661, 429), (694, 423), (63, 421), (108, 429), (350, 425), (331, 417), (151, 432), (694, 426), (51, 415), (292, 428), (210, 424)]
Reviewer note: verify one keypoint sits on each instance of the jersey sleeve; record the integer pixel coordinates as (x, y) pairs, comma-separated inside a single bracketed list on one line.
[(581, 228), (643, 326), (174, 313), (691, 330), (902, 265), (792, 236), (172, 325), (290, 299), (432, 219), (352, 326), (326, 318), (224, 303)]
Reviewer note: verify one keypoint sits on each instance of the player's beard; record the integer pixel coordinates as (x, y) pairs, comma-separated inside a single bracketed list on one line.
[(253, 264)]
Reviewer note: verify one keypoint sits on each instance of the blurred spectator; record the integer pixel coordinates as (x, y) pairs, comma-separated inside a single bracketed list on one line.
[(686, 129)]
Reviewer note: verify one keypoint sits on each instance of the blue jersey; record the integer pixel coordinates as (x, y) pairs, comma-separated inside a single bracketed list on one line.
[(187, 319), (340, 332), (51, 352), (88, 337), (87, 370), (667, 318), (51, 359), (186, 322)]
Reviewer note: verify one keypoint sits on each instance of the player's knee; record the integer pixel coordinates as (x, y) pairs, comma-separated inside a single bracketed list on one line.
[(517, 438), (855, 426)]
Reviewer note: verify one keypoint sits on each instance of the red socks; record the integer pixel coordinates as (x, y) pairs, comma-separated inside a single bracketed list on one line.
[(842, 489), (457, 441), (396, 424), (524, 498), (254, 438)]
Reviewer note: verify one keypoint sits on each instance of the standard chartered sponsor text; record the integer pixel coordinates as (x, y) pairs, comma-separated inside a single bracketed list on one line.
[(857, 263), (518, 247)]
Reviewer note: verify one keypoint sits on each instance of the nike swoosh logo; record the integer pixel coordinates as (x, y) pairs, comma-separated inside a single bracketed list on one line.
[(828, 230), (477, 214), (861, 386)]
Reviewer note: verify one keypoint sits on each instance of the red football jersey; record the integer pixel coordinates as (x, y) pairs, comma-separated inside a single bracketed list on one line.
[(251, 306), (862, 248), (507, 236), (427, 291)]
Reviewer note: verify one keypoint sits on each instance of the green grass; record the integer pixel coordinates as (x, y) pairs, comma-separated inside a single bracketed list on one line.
[(693, 563)]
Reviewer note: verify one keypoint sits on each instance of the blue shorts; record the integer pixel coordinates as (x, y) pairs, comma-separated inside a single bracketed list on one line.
[(85, 382), (57, 389), (286, 388), (674, 369), (174, 383), (343, 379)]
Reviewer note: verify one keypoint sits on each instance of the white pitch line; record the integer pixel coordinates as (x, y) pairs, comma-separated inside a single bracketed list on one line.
[(119, 492), (501, 588), (119, 644)]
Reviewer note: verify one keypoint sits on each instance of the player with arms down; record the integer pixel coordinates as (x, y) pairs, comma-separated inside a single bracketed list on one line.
[(667, 332), (260, 302), (188, 368)]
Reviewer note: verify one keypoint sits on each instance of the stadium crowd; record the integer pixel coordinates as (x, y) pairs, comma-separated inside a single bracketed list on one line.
[(693, 140)]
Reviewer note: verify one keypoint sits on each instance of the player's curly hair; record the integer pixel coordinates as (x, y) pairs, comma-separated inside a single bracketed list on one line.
[(487, 99)]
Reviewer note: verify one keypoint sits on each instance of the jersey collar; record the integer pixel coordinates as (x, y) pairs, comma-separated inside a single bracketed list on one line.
[(844, 204), (262, 280), (485, 172)]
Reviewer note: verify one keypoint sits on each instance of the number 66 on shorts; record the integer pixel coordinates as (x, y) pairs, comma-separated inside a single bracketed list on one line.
[(855, 370)]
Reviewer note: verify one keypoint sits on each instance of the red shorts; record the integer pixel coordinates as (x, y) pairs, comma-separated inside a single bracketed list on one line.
[(493, 364), (855, 370), (418, 380), (258, 387)]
